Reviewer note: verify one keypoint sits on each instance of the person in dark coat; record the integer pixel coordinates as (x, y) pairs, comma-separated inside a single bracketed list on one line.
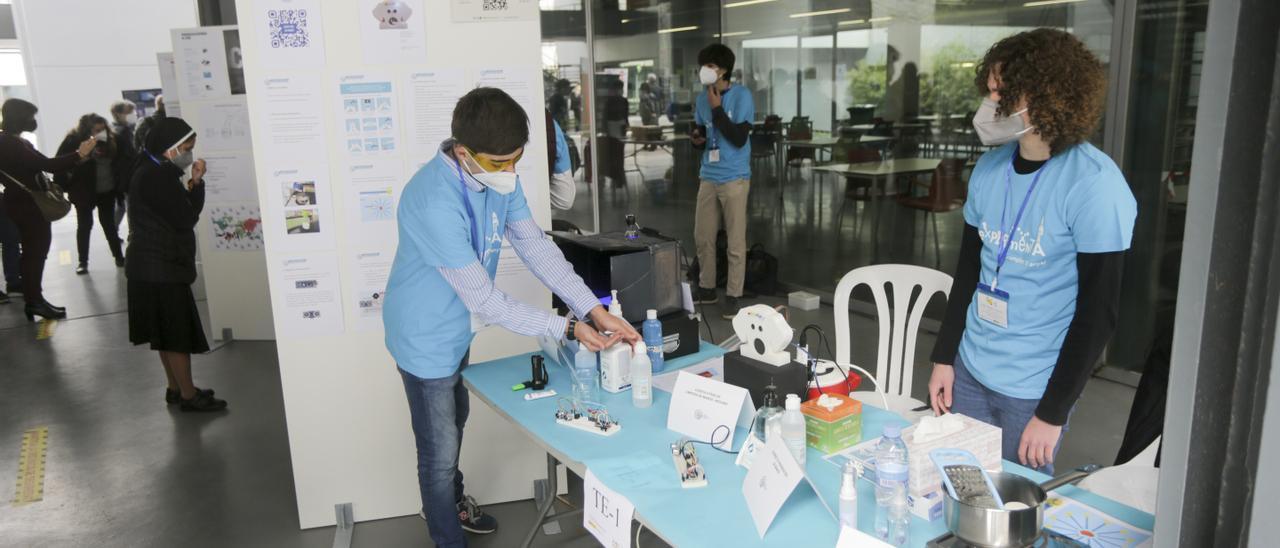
[(95, 185), (161, 260), (144, 127), (124, 119), (21, 161)]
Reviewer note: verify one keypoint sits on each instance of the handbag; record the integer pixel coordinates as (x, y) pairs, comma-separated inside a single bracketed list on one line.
[(47, 196)]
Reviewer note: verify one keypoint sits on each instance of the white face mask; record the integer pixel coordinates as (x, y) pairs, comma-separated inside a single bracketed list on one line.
[(131, 118), (994, 129), (183, 160), (502, 182), (101, 136), (707, 76)]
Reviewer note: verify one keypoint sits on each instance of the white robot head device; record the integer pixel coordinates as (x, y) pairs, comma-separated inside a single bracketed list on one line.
[(764, 333)]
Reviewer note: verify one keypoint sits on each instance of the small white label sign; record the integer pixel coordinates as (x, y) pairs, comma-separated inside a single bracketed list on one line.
[(772, 478), (708, 410), (607, 514)]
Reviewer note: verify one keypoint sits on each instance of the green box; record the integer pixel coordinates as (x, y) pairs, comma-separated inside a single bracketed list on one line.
[(833, 437)]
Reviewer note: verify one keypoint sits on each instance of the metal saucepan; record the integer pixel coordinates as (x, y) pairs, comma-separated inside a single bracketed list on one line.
[(1000, 528)]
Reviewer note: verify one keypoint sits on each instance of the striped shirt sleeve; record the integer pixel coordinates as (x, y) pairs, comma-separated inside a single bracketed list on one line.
[(482, 298), (546, 262)]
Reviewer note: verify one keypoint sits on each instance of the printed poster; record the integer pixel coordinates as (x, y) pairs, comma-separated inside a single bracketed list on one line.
[(367, 111), (488, 11), (392, 31), (290, 34), (307, 296), (236, 227)]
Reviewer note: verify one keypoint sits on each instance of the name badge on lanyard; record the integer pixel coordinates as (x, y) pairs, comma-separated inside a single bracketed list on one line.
[(713, 150), (476, 322), (993, 302)]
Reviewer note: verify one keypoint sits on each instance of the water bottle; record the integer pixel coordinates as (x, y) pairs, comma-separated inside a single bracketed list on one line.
[(652, 331), (793, 429), (641, 378), (849, 496), (768, 419), (633, 229), (586, 382), (892, 518)]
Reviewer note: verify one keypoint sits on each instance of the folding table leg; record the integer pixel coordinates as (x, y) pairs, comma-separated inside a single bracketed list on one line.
[(552, 483)]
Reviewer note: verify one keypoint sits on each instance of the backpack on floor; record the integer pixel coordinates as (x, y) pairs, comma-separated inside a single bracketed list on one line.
[(762, 271)]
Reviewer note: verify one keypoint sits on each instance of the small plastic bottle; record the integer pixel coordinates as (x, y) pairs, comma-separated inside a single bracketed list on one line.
[(892, 518), (849, 496), (651, 329), (615, 305), (586, 381), (633, 229), (768, 417), (641, 377), (793, 430)]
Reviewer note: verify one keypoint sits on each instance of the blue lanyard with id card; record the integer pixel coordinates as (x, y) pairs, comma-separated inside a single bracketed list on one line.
[(478, 244), (993, 302), (713, 145)]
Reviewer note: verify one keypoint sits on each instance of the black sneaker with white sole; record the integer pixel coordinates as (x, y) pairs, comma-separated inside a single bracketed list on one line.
[(473, 519), (703, 295), (731, 307)]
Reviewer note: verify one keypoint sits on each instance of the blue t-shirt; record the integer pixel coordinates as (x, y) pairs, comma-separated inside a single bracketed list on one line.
[(1082, 204), (562, 151), (428, 328), (735, 162)]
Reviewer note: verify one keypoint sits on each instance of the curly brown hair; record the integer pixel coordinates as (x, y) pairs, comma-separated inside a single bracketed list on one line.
[(1063, 83)]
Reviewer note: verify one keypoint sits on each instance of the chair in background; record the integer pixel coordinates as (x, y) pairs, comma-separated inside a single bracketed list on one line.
[(856, 189), (946, 193), (899, 327)]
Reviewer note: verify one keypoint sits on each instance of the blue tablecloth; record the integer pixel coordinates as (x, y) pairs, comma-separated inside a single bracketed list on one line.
[(636, 462)]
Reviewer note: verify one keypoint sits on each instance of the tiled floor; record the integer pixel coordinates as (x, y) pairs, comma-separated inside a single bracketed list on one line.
[(125, 470)]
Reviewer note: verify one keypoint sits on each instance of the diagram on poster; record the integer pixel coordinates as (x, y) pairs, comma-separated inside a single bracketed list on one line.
[(392, 31), (224, 125), (293, 115), (299, 216), (367, 108), (229, 177), (368, 285), (476, 11), (1091, 527), (307, 296), (372, 189), (290, 34), (429, 99), (236, 227)]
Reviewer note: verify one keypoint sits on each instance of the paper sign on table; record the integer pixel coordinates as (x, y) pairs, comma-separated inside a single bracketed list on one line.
[(607, 515), (703, 409), (853, 538), (772, 478)]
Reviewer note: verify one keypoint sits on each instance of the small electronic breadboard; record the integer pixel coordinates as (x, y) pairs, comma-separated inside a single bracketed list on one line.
[(591, 419), (691, 473)]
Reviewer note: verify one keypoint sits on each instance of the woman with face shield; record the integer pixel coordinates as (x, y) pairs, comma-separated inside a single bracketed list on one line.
[(164, 206)]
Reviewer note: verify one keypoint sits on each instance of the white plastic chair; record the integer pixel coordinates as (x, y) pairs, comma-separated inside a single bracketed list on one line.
[(1133, 483), (899, 327)]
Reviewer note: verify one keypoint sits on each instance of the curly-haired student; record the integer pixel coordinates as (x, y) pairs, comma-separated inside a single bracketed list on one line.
[(1047, 222)]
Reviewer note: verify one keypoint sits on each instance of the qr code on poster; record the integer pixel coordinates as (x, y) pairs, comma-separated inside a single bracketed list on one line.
[(288, 28), (494, 5)]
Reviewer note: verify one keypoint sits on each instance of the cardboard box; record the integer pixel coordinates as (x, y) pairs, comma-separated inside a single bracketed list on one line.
[(833, 430), (928, 506), (977, 437)]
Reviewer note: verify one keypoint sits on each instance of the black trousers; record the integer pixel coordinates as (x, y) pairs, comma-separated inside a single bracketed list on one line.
[(36, 235), (106, 206)]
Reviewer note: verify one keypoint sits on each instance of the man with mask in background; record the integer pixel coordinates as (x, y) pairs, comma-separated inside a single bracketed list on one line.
[(452, 218), (723, 116), (123, 119)]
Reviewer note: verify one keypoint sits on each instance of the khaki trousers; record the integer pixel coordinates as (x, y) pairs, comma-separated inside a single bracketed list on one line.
[(717, 201)]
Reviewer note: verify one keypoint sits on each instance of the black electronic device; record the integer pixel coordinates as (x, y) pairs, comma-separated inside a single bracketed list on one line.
[(645, 270), (755, 375), (679, 333)]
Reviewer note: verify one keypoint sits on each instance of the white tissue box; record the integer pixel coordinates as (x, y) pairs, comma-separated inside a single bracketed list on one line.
[(927, 507), (977, 437), (803, 300)]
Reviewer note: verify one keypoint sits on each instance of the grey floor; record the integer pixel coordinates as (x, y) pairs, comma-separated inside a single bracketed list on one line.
[(123, 469)]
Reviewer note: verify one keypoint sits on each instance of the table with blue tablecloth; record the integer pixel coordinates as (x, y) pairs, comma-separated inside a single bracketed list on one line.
[(636, 463)]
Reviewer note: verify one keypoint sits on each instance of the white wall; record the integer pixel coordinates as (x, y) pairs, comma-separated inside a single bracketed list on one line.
[(349, 432), (76, 65)]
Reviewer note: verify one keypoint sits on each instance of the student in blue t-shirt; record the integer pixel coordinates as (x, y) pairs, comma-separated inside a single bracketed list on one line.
[(723, 117), (1037, 286), (452, 218)]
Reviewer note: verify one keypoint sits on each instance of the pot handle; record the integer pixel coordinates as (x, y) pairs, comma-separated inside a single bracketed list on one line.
[(1070, 477)]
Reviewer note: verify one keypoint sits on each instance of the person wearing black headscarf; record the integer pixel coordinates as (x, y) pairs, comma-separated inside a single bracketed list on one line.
[(160, 262)]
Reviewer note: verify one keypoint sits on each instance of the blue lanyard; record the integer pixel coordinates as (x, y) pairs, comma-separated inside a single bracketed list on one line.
[(471, 214), (1007, 235), (711, 126), (154, 159)]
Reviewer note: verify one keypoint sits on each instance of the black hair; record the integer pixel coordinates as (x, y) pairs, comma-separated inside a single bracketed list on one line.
[(84, 126), (719, 55), (122, 107), (489, 121), (16, 115)]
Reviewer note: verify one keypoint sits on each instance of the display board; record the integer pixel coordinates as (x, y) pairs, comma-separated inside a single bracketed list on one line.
[(347, 100), (208, 91)]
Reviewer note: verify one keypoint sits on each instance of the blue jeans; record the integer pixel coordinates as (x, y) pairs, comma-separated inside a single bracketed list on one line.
[(438, 409), (970, 397), (10, 252)]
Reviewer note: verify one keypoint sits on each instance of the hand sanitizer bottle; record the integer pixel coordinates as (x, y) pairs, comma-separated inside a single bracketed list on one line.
[(641, 377)]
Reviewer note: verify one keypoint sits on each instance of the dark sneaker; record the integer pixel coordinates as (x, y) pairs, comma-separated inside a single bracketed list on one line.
[(4, 298), (473, 519), (82, 269), (203, 403), (705, 296), (731, 307), (173, 396)]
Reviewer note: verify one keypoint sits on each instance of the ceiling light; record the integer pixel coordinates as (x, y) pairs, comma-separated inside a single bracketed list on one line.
[(747, 3), (878, 19), (817, 13), (677, 29), (728, 34), (1049, 3), (852, 22), (625, 21)]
